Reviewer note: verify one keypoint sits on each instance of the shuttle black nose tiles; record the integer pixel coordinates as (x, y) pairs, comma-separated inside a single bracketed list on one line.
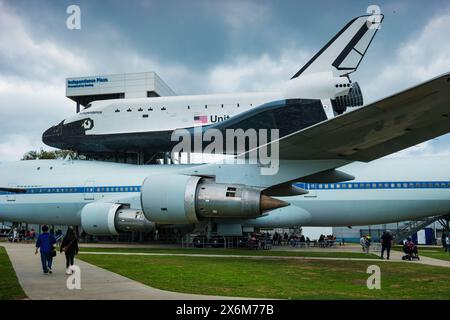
[(62, 134)]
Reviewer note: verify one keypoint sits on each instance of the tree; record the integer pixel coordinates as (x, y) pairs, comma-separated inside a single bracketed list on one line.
[(44, 154)]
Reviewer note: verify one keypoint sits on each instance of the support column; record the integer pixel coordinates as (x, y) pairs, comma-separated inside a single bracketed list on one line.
[(140, 158), (78, 107), (167, 158)]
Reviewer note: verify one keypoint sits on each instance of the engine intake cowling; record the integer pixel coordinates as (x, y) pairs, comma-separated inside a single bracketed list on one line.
[(101, 218), (180, 199)]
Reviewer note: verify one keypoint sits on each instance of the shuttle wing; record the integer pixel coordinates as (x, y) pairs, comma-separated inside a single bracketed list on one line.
[(376, 130)]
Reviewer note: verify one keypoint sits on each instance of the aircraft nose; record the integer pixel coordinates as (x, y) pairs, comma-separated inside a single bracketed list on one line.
[(67, 135), (52, 136)]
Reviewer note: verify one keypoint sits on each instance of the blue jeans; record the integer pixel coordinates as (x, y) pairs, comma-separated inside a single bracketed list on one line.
[(46, 260)]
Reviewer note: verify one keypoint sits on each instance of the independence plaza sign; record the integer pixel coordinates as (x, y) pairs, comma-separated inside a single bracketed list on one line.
[(85, 83)]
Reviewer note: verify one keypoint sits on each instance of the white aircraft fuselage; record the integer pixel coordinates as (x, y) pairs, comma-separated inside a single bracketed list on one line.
[(385, 190)]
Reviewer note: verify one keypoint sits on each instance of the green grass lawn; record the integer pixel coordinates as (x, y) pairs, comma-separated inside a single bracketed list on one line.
[(237, 252), (285, 279), (436, 253), (10, 288)]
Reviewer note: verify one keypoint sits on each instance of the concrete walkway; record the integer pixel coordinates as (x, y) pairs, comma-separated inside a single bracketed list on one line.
[(397, 255), (96, 283)]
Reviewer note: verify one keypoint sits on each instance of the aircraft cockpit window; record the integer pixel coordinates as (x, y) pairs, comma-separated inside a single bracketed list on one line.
[(150, 109), (129, 110), (117, 110), (140, 109), (163, 109)]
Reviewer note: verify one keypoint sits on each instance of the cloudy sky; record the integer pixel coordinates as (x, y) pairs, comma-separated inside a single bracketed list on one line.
[(200, 47)]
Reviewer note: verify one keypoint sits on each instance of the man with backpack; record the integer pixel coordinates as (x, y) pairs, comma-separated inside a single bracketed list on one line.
[(45, 243)]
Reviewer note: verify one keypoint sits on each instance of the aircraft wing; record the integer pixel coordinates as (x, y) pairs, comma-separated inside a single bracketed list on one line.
[(376, 130)]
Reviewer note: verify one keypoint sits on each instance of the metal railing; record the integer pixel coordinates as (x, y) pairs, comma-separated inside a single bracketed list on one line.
[(412, 227)]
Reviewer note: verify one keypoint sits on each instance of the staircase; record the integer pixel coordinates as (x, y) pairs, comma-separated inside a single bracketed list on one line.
[(411, 227)]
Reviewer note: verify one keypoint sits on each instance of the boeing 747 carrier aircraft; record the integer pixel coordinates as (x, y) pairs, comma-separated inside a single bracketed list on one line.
[(330, 168)]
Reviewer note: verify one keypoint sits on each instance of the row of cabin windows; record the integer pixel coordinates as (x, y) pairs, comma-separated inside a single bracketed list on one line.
[(84, 189), (386, 185), (164, 108)]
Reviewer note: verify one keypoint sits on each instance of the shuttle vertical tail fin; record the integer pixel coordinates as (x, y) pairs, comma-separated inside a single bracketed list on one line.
[(344, 52)]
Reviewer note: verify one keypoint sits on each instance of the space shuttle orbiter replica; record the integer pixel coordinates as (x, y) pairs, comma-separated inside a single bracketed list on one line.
[(319, 91)]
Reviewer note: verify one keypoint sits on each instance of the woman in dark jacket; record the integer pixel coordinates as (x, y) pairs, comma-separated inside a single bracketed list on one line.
[(70, 247)]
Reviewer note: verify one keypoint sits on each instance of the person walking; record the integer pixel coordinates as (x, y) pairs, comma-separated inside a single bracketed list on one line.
[(363, 243), (15, 235), (45, 243), (69, 246), (368, 243), (386, 244), (444, 241)]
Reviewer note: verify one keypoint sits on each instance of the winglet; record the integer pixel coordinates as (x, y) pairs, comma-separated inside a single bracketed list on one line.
[(344, 52)]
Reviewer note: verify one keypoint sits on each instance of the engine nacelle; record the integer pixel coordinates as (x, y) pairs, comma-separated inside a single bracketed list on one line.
[(320, 85), (101, 218), (180, 199)]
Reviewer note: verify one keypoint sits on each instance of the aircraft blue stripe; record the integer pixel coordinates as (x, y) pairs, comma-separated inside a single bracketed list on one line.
[(306, 186), (94, 189)]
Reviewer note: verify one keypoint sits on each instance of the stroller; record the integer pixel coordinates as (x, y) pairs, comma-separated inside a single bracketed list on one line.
[(410, 250)]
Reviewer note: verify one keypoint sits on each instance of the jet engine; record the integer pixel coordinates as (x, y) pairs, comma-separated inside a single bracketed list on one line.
[(101, 218), (181, 199)]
